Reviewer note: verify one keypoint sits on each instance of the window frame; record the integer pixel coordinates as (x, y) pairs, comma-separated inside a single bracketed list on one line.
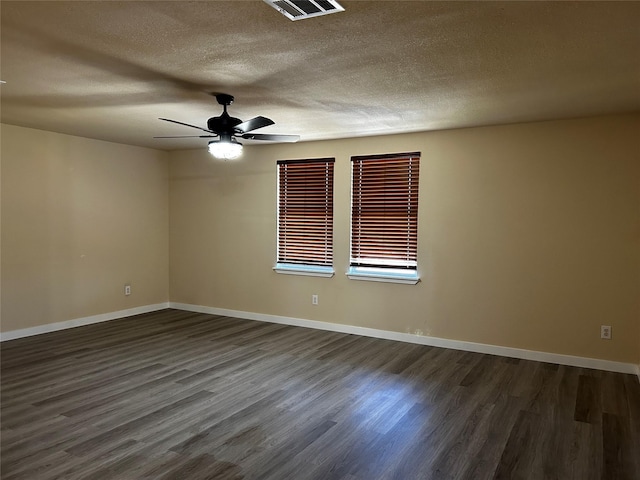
[(384, 269), (284, 263)]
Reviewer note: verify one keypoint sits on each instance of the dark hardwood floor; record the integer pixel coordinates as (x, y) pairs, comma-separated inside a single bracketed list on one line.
[(178, 395)]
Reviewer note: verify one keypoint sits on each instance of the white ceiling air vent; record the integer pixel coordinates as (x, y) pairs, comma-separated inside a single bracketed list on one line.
[(299, 9)]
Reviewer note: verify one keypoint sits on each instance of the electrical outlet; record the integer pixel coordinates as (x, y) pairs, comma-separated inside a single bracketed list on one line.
[(127, 289), (314, 299), (605, 332)]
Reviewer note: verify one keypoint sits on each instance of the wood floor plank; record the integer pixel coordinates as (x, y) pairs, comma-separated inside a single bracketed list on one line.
[(493, 439), (517, 457), (181, 395), (588, 406)]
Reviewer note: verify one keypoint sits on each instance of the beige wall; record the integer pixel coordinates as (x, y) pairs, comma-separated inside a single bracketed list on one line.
[(528, 237), (529, 234), (80, 218)]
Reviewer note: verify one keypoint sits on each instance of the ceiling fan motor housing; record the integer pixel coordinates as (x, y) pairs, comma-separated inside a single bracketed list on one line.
[(223, 124)]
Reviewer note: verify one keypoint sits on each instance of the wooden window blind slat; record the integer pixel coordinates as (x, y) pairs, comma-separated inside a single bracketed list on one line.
[(305, 212), (384, 210)]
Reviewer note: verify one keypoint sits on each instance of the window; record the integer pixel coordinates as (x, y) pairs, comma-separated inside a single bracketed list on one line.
[(305, 217), (384, 218)]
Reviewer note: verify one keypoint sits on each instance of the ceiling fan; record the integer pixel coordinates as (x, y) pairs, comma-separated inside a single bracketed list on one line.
[(227, 128)]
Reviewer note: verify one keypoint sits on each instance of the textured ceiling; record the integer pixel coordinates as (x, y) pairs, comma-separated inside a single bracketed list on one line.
[(108, 69)]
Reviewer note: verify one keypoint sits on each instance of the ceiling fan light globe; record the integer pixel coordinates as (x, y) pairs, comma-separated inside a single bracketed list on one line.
[(225, 150)]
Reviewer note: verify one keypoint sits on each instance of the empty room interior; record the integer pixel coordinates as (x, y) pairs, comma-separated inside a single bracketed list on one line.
[(309, 240)]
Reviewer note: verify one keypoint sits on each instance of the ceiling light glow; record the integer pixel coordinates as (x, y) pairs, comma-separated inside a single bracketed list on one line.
[(225, 149)]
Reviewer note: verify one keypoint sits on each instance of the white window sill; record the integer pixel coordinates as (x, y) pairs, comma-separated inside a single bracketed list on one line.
[(307, 270), (383, 275)]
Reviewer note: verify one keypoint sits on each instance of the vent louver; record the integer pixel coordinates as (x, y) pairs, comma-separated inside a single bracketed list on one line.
[(299, 9)]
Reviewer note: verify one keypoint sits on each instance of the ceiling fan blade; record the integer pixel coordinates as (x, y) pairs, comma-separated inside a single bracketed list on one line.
[(186, 125), (272, 138), (253, 124), (187, 136)]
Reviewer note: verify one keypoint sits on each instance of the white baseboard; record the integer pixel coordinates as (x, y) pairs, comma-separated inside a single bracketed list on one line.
[(77, 322), (569, 360)]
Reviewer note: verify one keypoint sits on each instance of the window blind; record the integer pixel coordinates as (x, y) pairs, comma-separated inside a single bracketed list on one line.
[(305, 211), (384, 216)]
